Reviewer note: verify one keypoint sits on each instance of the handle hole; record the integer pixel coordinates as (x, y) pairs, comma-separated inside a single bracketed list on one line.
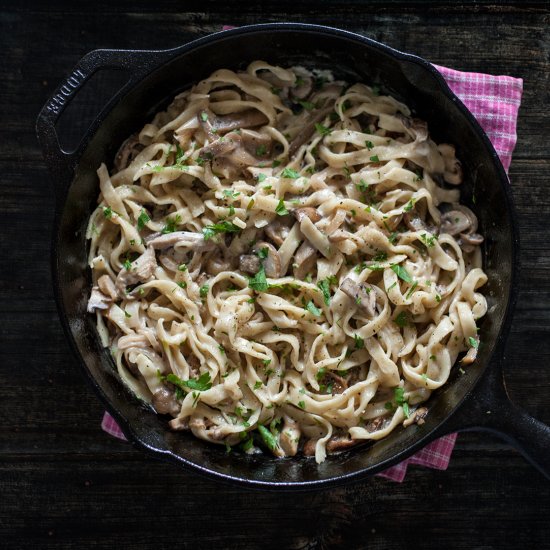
[(86, 105)]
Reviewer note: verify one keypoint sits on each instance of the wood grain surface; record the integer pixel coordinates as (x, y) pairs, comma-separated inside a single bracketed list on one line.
[(66, 484)]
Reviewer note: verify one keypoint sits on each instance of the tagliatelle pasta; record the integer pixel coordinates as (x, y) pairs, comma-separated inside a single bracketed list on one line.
[(280, 261)]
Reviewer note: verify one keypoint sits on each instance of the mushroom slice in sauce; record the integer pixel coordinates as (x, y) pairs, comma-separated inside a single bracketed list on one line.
[(107, 286), (459, 219), (340, 443), (307, 131), (141, 270), (98, 300), (365, 300), (308, 211), (249, 263), (165, 402), (185, 239), (272, 263), (279, 229), (290, 436), (304, 260), (221, 124), (417, 417)]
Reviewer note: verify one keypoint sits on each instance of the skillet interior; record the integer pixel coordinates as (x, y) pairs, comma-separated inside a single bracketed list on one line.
[(353, 59)]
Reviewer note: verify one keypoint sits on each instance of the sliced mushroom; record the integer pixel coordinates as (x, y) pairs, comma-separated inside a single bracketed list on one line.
[(107, 286), (272, 263), (303, 89), (417, 417), (217, 264), (127, 153), (304, 260), (279, 229), (413, 221), (185, 239), (453, 168), (460, 219), (308, 130), (375, 424), (339, 443), (165, 402), (290, 436), (363, 295), (179, 424), (250, 118), (339, 384), (98, 300), (141, 270), (308, 211), (309, 447), (469, 241), (249, 263), (416, 128)]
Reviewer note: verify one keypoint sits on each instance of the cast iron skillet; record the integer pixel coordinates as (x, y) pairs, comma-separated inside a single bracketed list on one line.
[(474, 400)]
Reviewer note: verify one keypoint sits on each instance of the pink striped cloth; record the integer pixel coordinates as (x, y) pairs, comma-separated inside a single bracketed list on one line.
[(494, 101)]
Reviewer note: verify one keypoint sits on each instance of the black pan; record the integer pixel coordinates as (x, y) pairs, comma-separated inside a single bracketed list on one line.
[(474, 400)]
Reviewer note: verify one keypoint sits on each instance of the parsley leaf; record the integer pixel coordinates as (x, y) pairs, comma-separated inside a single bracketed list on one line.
[(375, 158), (324, 285), (290, 174), (401, 320), (473, 342), (263, 253), (204, 116), (222, 227), (203, 291), (142, 219), (108, 212), (359, 342), (261, 177), (170, 224), (127, 264), (402, 273), (202, 383), (369, 144), (313, 309), (323, 130), (428, 240), (307, 105), (259, 282), (281, 208)]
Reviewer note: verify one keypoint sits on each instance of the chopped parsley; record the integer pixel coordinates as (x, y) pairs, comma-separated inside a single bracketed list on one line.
[(204, 116), (307, 105), (202, 383), (313, 309), (261, 150), (411, 290), (302, 404), (402, 273), (127, 264), (182, 284), (428, 240), (108, 212), (473, 342), (374, 158), (170, 225), (203, 291), (230, 194), (359, 342), (409, 206), (324, 285), (182, 267), (393, 237), (369, 144), (323, 130), (261, 177), (258, 384), (401, 320), (281, 208), (259, 281), (222, 227), (263, 253), (290, 174), (142, 219)]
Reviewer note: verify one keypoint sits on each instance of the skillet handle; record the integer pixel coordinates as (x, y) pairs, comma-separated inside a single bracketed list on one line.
[(490, 409), (61, 163)]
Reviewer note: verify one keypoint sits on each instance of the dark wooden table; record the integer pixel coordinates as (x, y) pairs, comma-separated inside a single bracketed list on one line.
[(66, 484)]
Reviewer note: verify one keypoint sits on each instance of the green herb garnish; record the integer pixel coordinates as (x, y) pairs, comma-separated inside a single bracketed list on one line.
[(323, 130), (222, 227), (402, 273), (281, 208), (290, 174), (313, 309)]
